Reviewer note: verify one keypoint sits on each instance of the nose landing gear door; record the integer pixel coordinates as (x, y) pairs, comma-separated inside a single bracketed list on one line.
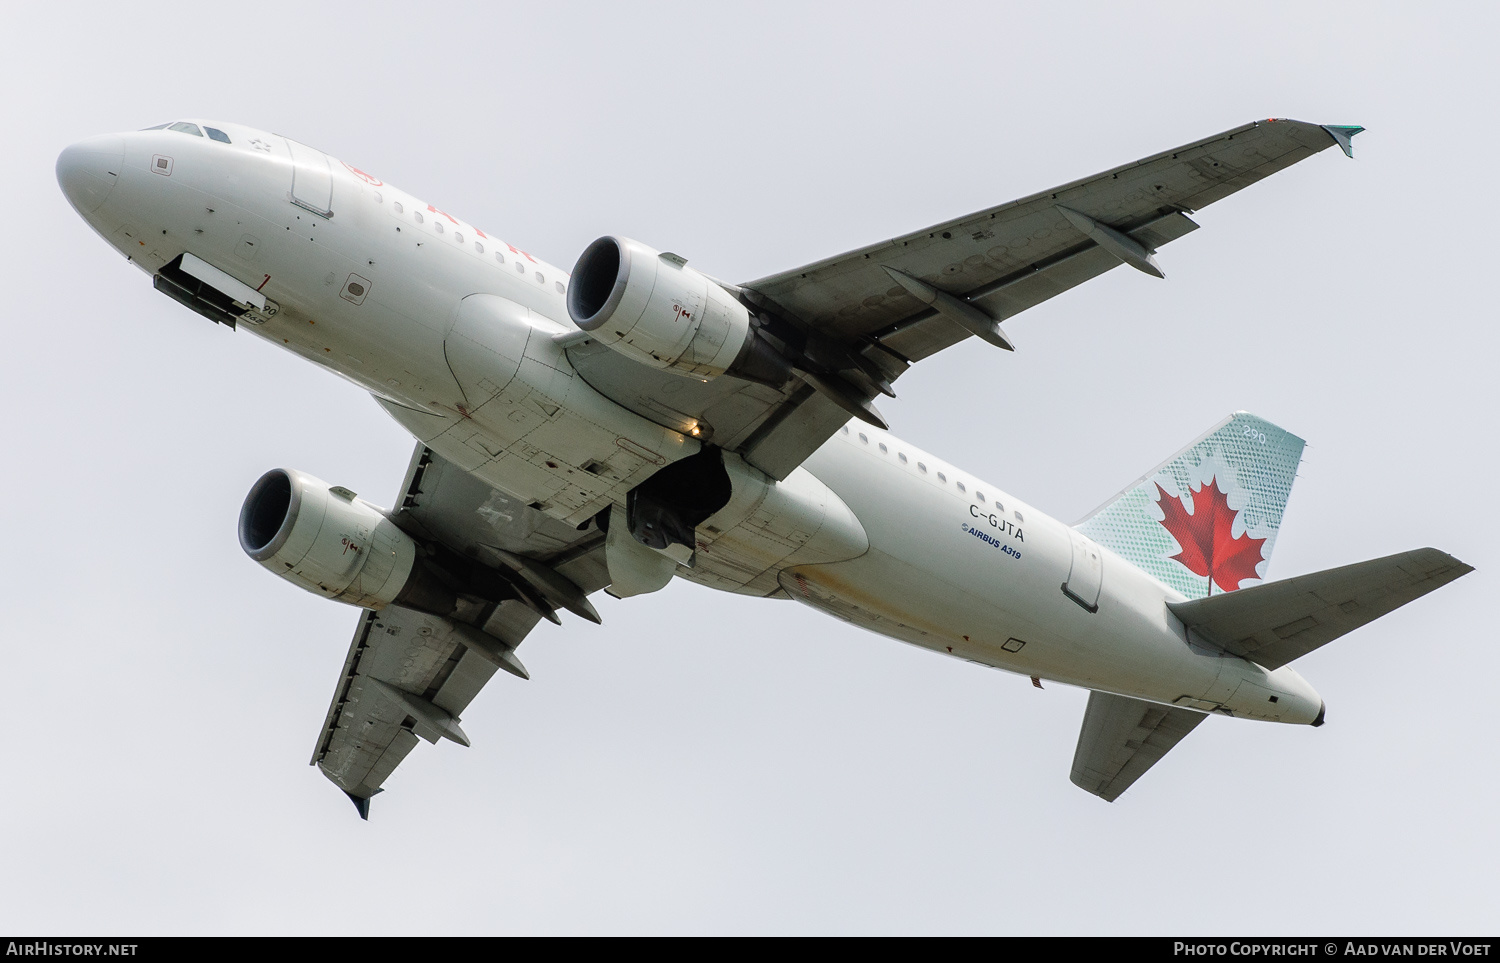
[(312, 179)]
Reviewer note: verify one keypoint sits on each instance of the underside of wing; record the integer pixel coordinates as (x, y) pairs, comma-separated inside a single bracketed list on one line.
[(1008, 258), (845, 328), (1274, 623), (410, 674), (1121, 738)]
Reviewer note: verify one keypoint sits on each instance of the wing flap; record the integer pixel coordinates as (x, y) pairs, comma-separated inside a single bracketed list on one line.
[(362, 738), (1274, 623), (1121, 738), (794, 432)]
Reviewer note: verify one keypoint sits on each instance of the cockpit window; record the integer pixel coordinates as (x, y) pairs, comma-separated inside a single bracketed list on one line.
[(159, 126), (187, 128), (218, 135)]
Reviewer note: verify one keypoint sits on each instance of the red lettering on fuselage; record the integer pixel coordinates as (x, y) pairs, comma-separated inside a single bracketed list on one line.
[(370, 179)]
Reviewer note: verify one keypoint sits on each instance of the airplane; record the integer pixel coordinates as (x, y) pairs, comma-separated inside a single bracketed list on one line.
[(636, 420)]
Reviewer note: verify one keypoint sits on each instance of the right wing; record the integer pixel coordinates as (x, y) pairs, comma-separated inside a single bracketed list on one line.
[(1121, 738), (1274, 623), (408, 674)]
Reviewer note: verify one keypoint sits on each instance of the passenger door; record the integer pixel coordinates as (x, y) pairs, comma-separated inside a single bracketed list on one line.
[(312, 179)]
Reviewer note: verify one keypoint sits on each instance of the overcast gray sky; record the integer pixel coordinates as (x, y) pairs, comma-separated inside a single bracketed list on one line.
[(704, 763)]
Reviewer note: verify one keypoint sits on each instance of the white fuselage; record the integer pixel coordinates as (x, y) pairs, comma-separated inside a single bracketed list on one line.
[(453, 331)]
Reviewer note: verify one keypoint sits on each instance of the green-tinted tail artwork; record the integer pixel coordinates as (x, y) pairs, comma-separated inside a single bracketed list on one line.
[(1206, 520)]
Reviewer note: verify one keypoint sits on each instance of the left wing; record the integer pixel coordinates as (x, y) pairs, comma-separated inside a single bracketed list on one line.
[(408, 674), (1121, 738), (852, 324)]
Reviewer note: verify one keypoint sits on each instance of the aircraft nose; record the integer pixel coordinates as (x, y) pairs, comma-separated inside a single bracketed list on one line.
[(87, 170)]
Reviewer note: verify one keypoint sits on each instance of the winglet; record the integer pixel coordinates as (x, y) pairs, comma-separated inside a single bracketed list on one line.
[(362, 803), (1344, 136)]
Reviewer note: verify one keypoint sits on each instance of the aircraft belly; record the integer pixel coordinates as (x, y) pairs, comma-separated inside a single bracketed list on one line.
[(998, 599), (768, 527)]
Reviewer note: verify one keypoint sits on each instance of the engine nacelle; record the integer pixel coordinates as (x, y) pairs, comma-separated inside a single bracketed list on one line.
[(326, 540), (656, 310)]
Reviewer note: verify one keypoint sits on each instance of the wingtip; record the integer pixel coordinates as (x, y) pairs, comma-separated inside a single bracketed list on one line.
[(1343, 135), (361, 803)]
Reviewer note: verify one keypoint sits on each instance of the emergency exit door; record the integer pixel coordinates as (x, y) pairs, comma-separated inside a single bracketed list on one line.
[(1086, 575)]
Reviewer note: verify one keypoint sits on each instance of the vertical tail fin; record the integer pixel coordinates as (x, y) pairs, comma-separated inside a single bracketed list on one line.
[(1208, 517)]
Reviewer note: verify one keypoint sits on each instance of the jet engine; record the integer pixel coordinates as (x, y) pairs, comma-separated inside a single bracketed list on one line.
[(655, 309), (326, 540)]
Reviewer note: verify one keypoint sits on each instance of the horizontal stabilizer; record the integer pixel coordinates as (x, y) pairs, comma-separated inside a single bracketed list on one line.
[(1122, 738), (1274, 623)]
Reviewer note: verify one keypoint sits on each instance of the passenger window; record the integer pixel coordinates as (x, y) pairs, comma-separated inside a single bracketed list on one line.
[(883, 448), (520, 268), (500, 257), (560, 288), (942, 477), (844, 430), (479, 247), (961, 487), (378, 198), (418, 216), (436, 224), (187, 128), (540, 279), (218, 135), (979, 495), (396, 205), (458, 237), (1000, 508), (902, 456), (921, 468), (864, 438), (1019, 517)]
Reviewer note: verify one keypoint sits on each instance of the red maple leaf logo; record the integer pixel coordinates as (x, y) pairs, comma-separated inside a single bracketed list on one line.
[(1208, 547)]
